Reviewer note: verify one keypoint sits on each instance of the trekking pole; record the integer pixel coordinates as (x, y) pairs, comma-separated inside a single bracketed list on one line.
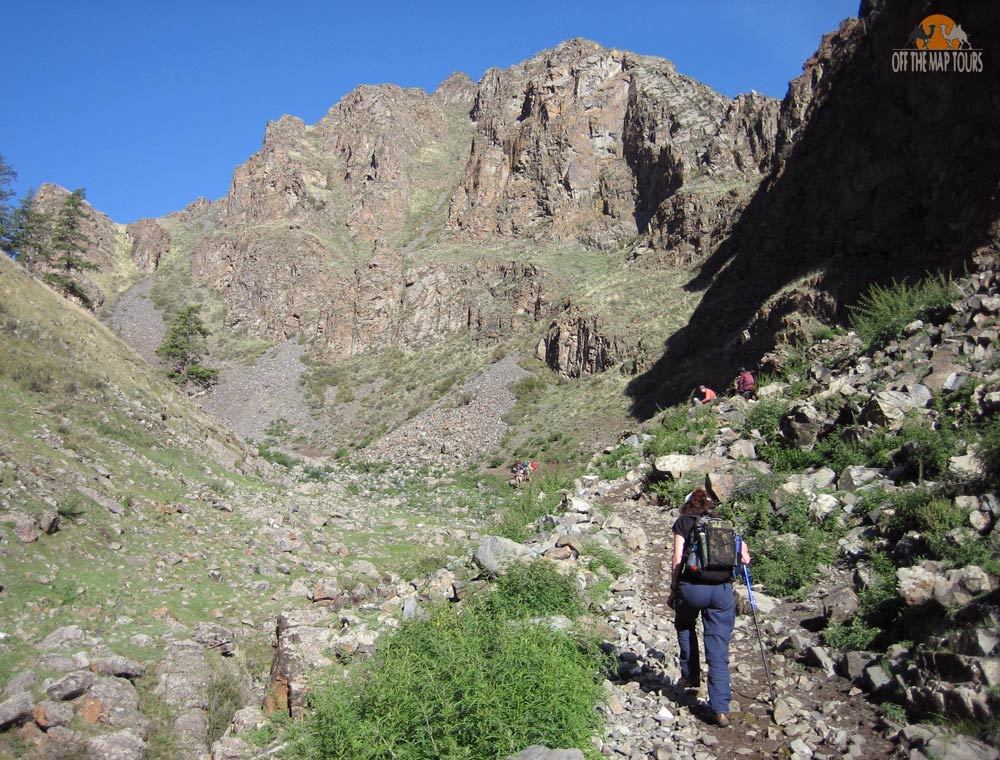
[(753, 611)]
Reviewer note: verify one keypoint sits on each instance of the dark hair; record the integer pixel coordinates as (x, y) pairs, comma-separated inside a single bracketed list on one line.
[(698, 503)]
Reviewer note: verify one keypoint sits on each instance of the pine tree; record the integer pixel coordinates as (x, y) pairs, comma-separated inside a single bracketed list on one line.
[(184, 346), (27, 231), (68, 238), (69, 241), (7, 176)]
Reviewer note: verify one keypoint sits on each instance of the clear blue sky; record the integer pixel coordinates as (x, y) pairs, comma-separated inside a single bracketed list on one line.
[(149, 105)]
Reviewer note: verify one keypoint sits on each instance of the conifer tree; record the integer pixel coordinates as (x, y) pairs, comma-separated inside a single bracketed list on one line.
[(27, 231), (184, 347), (69, 241), (7, 176)]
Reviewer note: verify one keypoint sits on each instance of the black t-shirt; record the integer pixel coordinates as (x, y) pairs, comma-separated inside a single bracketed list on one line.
[(683, 526)]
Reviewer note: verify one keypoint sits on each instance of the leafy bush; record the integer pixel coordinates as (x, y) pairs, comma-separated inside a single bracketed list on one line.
[(465, 682), (881, 314), (601, 556), (531, 591), (525, 505), (787, 546), (224, 698), (764, 417), (853, 636), (989, 452), (682, 429), (616, 463), (920, 510), (528, 389)]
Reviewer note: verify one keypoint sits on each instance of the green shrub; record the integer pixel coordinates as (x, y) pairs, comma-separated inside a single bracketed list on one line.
[(465, 682), (529, 502), (764, 417), (989, 452), (616, 463), (920, 510), (529, 591), (598, 556), (682, 429), (224, 698), (853, 636), (881, 314), (787, 546), (528, 389), (883, 585)]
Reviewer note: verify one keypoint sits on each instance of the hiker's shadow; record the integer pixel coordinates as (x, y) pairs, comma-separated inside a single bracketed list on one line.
[(648, 673)]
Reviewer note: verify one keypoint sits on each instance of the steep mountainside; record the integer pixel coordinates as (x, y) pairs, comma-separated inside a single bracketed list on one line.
[(383, 223), (584, 203)]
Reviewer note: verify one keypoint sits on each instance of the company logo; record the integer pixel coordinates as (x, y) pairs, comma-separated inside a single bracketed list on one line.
[(938, 44)]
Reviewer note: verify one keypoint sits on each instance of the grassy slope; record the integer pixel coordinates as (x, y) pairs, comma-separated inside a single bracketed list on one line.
[(78, 410)]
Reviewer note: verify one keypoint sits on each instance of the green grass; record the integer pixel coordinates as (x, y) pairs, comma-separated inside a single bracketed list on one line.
[(682, 430), (598, 556), (467, 682)]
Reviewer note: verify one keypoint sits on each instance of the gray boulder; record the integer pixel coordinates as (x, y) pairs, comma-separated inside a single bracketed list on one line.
[(231, 748), (840, 605), (70, 686), (855, 476), (48, 714), (122, 745), (62, 638), (538, 752), (496, 554), (115, 665), (801, 426), (15, 710)]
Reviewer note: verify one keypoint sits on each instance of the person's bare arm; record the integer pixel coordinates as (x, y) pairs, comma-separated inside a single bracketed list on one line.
[(678, 561)]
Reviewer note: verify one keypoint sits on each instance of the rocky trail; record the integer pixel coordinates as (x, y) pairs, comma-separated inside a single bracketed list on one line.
[(816, 714)]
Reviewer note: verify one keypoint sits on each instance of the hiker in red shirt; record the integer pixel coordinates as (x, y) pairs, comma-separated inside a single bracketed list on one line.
[(745, 385), (704, 395)]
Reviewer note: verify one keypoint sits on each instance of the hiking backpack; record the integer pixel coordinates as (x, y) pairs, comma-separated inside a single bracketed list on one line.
[(713, 551)]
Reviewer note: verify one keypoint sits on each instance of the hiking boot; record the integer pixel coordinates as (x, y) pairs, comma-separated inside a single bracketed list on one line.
[(722, 720), (688, 682)]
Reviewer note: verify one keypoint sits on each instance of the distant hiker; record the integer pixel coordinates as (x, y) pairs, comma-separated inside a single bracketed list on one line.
[(711, 594), (521, 472), (745, 384), (704, 395)]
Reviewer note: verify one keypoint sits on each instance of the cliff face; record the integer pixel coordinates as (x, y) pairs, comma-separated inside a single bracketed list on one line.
[(877, 175), (579, 143)]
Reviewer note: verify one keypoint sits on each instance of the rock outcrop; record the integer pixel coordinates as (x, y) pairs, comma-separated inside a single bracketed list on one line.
[(585, 143)]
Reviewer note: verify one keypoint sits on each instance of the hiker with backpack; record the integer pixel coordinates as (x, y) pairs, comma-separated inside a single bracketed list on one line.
[(706, 553)]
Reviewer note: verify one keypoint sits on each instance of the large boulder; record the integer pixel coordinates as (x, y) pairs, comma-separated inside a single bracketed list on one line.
[(15, 710), (801, 426), (841, 605), (496, 554), (122, 745), (890, 407)]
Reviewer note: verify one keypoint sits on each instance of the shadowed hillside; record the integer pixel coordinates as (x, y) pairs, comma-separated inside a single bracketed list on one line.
[(879, 176)]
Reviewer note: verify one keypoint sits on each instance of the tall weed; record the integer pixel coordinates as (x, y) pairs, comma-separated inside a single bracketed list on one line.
[(466, 682), (881, 314)]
